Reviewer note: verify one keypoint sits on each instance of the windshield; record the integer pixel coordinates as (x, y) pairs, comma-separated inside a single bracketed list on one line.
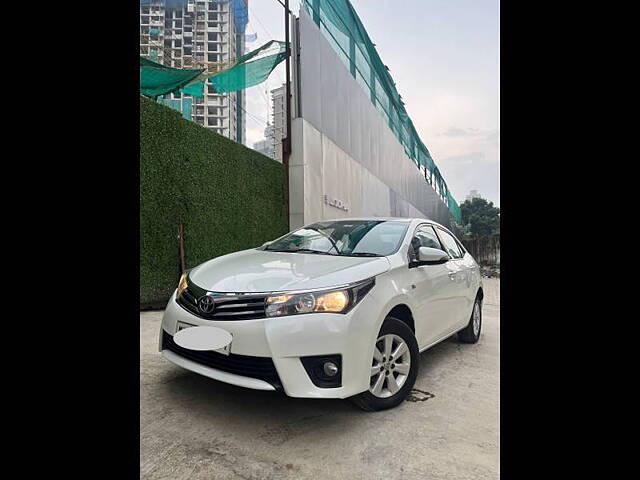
[(348, 238)]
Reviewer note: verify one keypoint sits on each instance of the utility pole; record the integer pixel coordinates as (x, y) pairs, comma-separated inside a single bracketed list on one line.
[(286, 142)]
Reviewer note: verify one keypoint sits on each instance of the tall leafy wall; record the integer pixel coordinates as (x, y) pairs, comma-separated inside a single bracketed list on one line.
[(228, 198)]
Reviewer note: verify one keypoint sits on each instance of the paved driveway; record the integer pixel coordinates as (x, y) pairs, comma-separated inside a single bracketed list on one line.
[(192, 427)]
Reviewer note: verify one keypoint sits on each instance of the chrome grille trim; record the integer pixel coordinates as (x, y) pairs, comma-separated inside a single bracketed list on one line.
[(243, 312), (238, 305), (231, 307)]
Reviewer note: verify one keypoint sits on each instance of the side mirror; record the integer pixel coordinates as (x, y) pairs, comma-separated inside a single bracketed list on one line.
[(428, 254), (264, 244)]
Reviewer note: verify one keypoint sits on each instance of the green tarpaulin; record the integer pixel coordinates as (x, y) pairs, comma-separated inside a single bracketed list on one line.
[(247, 71), (246, 75), (156, 79)]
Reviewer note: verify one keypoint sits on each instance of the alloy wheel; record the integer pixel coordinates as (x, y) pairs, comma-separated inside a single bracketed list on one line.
[(390, 366), (476, 319)]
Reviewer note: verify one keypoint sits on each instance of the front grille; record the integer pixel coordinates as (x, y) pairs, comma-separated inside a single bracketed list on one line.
[(227, 306), (261, 368)]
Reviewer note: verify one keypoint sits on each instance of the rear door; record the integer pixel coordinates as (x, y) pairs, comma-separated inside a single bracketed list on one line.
[(472, 279), (432, 290), (459, 277)]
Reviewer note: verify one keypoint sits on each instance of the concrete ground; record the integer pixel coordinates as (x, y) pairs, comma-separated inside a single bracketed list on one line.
[(192, 427)]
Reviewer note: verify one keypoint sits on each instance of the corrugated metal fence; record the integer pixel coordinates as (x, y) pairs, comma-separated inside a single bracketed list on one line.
[(485, 250)]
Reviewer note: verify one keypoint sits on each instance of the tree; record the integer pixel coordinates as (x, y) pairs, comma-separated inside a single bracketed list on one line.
[(480, 218)]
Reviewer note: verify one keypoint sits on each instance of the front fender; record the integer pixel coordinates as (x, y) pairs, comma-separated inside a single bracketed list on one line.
[(387, 296)]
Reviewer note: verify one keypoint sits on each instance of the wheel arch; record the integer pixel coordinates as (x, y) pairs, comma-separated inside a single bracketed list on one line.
[(400, 307), (403, 313)]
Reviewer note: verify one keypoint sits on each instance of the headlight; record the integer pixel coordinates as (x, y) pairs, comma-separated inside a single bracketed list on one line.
[(327, 301), (182, 284)]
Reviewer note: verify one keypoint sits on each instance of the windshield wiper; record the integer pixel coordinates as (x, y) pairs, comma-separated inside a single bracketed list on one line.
[(309, 250), (361, 254), (303, 250)]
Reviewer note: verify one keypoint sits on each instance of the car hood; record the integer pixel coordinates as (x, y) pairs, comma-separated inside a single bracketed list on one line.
[(254, 270)]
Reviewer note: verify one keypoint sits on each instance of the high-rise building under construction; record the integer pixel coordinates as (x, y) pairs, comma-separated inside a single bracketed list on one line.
[(199, 34)]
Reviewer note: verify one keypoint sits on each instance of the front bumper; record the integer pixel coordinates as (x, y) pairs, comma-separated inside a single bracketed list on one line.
[(232, 378), (284, 340)]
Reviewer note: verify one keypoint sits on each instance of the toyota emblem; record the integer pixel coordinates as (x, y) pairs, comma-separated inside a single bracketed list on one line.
[(206, 304)]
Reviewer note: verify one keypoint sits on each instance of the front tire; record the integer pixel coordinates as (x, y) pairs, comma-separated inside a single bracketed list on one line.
[(394, 367), (471, 333)]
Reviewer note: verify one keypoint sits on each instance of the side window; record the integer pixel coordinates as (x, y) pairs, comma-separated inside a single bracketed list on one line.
[(450, 244), (425, 236), (461, 247)]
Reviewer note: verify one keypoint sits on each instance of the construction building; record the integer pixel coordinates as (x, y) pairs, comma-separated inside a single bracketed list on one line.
[(199, 34)]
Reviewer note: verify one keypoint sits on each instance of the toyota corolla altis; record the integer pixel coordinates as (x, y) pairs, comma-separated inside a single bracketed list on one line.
[(336, 309)]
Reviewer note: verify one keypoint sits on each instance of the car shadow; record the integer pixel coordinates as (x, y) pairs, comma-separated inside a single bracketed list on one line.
[(211, 400), (184, 384), (439, 355), (261, 415)]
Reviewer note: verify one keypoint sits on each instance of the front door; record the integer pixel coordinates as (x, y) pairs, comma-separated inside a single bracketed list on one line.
[(433, 290)]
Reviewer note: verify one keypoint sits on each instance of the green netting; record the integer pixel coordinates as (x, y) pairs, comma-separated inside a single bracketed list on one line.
[(195, 89), (247, 71), (454, 208), (156, 79), (183, 105), (346, 34)]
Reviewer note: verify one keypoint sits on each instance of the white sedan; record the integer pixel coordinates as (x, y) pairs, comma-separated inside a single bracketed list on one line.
[(336, 309)]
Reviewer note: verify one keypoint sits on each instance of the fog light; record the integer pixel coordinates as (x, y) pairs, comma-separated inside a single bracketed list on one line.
[(325, 371), (330, 369)]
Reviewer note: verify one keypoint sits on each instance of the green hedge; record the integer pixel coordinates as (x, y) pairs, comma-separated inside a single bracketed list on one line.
[(228, 197)]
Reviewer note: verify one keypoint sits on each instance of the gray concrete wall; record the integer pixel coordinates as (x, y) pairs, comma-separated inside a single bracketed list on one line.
[(343, 152)]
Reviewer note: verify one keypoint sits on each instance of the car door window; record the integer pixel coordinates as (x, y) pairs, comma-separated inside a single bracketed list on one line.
[(425, 236), (450, 244)]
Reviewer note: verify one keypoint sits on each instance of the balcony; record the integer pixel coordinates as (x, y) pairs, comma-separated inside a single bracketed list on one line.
[(216, 101)]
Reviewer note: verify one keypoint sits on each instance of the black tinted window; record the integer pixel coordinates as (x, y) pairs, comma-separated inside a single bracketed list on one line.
[(451, 247)]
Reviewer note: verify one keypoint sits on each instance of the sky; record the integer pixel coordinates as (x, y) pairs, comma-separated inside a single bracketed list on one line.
[(444, 56)]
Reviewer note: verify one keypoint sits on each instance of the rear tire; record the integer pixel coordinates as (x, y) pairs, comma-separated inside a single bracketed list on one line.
[(471, 333), (396, 337)]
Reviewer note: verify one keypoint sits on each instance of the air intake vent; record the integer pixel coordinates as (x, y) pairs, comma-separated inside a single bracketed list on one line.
[(261, 368)]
